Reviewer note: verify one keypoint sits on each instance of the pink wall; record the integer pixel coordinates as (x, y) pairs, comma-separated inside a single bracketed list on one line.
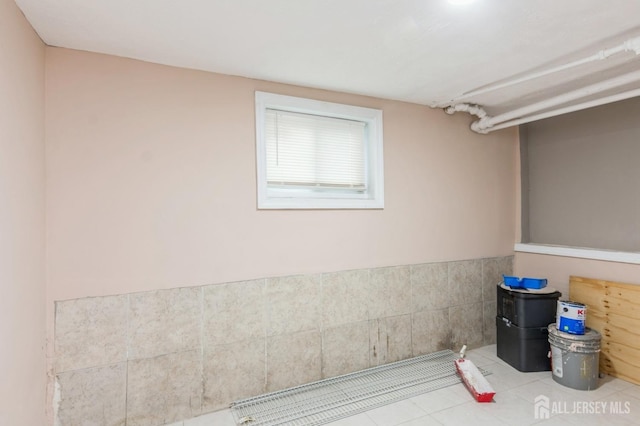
[(22, 217), (152, 184), (557, 269)]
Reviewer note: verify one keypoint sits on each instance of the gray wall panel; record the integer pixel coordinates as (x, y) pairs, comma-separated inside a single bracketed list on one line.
[(581, 181)]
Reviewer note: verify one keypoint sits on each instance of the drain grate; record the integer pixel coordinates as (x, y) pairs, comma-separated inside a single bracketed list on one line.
[(331, 399)]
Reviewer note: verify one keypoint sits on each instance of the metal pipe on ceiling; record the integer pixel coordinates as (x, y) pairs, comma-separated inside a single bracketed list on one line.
[(476, 110), (630, 45), (484, 124), (572, 108)]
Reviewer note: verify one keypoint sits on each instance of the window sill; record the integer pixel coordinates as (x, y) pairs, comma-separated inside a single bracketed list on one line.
[(582, 253), (319, 203)]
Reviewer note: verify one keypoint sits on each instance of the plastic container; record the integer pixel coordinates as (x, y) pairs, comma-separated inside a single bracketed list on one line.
[(527, 309), (536, 283), (525, 349), (571, 317), (525, 282), (511, 281), (575, 358)]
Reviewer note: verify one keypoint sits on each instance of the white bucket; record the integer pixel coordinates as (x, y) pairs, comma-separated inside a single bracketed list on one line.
[(571, 316), (574, 358)]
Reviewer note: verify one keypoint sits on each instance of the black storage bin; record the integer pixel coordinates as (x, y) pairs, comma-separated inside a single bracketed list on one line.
[(525, 349), (527, 309)]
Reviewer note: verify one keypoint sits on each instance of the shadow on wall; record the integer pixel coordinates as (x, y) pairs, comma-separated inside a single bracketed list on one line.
[(163, 356)]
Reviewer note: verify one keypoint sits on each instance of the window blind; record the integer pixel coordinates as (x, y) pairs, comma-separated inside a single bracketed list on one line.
[(314, 152)]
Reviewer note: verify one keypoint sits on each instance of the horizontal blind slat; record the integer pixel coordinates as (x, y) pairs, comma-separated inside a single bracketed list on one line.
[(315, 151)]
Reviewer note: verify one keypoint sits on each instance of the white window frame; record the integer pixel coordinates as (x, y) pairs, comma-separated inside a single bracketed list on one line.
[(372, 198)]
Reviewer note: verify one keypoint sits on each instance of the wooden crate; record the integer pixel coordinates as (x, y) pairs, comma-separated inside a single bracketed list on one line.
[(613, 309)]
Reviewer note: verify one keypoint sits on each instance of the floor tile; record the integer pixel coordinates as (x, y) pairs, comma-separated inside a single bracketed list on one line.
[(479, 359), (633, 391), (511, 409), (218, 418), (357, 420), (394, 414), (571, 419), (442, 398), (555, 421), (553, 391), (504, 377), (467, 414), (422, 421)]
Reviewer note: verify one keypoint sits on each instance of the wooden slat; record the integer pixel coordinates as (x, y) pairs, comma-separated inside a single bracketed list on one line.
[(619, 328), (613, 309), (623, 300), (590, 292), (622, 361), (597, 321)]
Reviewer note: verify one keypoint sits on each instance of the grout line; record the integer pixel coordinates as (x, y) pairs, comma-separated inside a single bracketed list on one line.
[(126, 365), (202, 373), (265, 319), (322, 327), (411, 310), (482, 296), (127, 328)]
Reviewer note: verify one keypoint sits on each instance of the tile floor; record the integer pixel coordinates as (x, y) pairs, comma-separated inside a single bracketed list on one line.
[(513, 403)]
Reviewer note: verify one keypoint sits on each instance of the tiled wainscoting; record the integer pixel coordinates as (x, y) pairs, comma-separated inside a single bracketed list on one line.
[(162, 356)]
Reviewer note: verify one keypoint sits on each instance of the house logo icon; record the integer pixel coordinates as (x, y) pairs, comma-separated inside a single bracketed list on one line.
[(541, 407)]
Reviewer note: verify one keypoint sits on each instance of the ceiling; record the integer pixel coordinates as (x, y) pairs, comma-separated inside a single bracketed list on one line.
[(428, 52)]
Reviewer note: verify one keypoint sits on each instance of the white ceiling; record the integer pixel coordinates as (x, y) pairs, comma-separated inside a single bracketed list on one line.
[(423, 51)]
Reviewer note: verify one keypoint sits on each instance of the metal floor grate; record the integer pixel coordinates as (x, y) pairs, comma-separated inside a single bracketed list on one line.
[(331, 399)]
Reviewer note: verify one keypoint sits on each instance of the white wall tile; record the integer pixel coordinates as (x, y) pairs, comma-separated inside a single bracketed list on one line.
[(165, 321), (90, 332), (93, 396), (164, 389), (293, 304), (234, 312)]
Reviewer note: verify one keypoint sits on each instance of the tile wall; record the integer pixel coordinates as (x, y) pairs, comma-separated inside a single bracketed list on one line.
[(158, 357)]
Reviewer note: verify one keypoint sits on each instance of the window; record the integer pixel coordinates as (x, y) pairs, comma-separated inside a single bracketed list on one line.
[(317, 155)]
